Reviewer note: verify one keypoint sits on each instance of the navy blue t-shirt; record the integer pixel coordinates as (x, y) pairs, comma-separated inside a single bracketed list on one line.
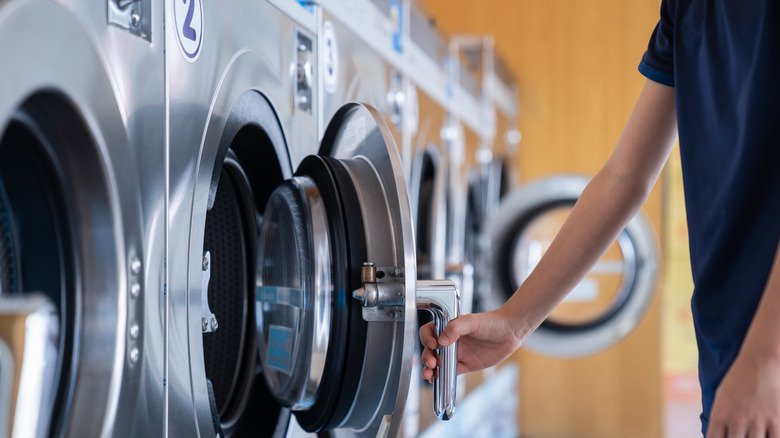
[(722, 58)]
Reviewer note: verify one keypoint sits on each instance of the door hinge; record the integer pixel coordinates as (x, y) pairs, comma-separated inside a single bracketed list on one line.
[(133, 15)]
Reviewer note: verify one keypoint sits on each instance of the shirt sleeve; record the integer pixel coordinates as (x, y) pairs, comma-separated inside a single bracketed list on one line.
[(658, 61)]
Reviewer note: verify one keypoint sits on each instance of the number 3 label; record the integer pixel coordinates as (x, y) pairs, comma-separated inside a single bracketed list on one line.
[(188, 19)]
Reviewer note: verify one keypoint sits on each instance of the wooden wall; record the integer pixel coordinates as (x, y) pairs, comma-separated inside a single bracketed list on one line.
[(576, 65)]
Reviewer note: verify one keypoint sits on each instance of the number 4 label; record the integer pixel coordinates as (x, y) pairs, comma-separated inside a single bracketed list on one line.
[(188, 20)]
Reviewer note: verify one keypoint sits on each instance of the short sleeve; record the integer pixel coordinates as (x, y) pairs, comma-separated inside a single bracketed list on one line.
[(658, 61)]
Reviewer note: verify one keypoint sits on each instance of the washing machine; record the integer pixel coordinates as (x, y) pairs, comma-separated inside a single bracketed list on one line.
[(464, 132), (429, 105), (612, 298), (362, 60), (491, 176), (83, 219), (291, 268)]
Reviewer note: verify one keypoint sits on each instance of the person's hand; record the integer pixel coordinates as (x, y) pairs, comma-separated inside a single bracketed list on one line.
[(485, 339), (747, 402)]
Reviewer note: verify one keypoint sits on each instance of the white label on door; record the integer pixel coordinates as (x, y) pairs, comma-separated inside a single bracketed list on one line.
[(188, 20), (330, 56)]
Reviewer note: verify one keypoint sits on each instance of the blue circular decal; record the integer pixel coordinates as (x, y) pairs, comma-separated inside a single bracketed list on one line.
[(188, 19)]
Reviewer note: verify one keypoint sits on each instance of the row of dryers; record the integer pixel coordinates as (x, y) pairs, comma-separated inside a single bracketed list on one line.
[(205, 226), (202, 231)]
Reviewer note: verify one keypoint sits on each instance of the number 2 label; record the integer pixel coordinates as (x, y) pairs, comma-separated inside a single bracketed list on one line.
[(188, 20)]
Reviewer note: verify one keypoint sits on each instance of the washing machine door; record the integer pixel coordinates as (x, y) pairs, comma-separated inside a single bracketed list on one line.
[(341, 227), (612, 298)]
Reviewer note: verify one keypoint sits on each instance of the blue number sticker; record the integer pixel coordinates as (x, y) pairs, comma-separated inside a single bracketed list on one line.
[(188, 20)]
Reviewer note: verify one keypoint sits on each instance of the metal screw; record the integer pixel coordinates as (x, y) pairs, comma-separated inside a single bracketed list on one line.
[(204, 324), (214, 324), (135, 18), (135, 289), (135, 265), (134, 331), (205, 263), (134, 354)]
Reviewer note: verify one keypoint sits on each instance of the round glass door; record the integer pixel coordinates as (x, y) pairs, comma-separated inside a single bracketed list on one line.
[(612, 298)]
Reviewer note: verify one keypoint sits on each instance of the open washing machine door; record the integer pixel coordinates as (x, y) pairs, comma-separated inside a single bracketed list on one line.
[(282, 257), (71, 251), (608, 303), (336, 291)]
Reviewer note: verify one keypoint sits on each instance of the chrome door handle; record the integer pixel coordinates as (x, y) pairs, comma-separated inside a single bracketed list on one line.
[(441, 298)]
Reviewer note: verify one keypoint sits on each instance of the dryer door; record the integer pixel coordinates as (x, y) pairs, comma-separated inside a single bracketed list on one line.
[(340, 364), (609, 302)]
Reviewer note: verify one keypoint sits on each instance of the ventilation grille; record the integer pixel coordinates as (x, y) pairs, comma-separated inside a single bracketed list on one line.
[(226, 239)]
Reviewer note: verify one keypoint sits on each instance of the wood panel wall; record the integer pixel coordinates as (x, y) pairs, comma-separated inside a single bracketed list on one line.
[(576, 66)]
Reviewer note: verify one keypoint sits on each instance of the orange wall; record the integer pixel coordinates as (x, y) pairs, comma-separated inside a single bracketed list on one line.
[(576, 66)]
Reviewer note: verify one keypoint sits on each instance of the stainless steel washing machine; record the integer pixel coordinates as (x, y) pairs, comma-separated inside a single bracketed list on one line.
[(492, 174), (362, 59), (83, 219), (240, 106), (464, 133), (612, 298), (290, 292), (429, 102)]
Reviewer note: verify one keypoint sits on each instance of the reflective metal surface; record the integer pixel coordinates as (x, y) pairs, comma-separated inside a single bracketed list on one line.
[(567, 334), (442, 300), (294, 292), (80, 124), (237, 96), (373, 163)]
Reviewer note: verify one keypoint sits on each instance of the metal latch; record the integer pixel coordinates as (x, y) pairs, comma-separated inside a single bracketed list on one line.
[(396, 99), (207, 318), (303, 72), (383, 298), (133, 15)]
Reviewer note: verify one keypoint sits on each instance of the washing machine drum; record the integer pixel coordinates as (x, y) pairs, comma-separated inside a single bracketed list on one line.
[(608, 303), (343, 208)]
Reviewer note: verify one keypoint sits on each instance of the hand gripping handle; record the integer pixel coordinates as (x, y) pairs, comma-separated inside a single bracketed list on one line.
[(441, 298)]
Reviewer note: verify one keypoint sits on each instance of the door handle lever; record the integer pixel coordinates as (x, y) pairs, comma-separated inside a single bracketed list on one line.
[(441, 298)]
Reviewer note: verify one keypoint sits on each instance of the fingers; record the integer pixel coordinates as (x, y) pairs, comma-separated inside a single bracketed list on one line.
[(428, 336), (461, 326), (429, 358), (757, 430)]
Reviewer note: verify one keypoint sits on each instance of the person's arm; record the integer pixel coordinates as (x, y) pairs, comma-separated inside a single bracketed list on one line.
[(609, 201), (747, 402)]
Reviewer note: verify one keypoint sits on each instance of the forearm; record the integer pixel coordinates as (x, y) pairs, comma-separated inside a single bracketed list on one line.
[(609, 201), (602, 211)]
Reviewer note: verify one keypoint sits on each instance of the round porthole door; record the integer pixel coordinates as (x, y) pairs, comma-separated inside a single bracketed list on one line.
[(612, 298), (337, 363)]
